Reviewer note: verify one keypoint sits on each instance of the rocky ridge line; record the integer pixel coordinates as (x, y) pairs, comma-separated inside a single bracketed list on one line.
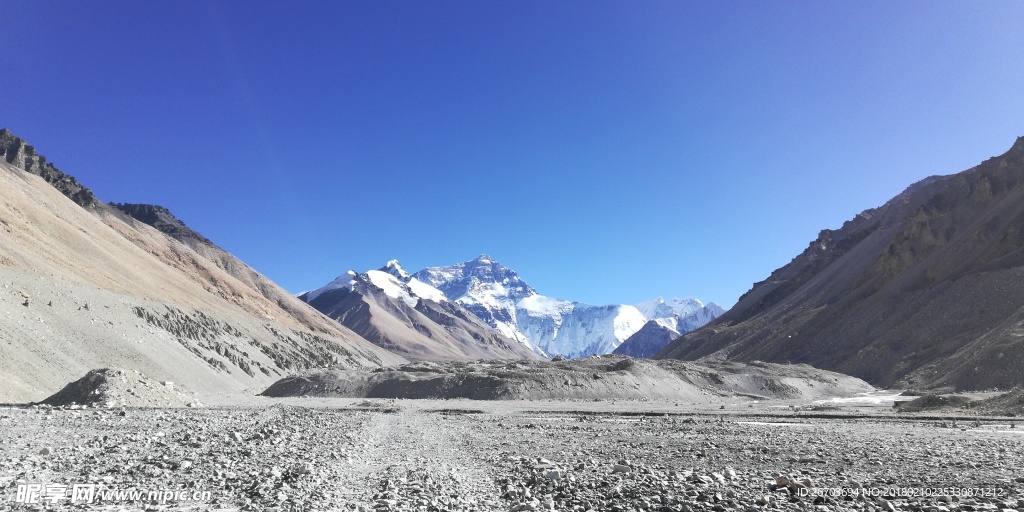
[(20, 154)]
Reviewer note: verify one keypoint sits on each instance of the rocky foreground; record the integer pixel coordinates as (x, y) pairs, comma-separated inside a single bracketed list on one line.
[(405, 455)]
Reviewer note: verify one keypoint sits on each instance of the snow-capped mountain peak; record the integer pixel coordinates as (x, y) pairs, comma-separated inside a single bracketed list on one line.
[(345, 280), (392, 286), (391, 279), (482, 279), (394, 268)]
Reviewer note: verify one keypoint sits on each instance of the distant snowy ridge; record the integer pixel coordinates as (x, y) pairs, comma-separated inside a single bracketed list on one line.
[(547, 325), (680, 315), (668, 320), (500, 299)]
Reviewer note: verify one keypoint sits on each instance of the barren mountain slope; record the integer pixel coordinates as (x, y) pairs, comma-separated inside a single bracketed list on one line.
[(925, 290), (217, 269), (59, 258)]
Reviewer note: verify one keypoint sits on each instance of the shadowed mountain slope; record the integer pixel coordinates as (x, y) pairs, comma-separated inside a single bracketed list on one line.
[(646, 342), (927, 290)]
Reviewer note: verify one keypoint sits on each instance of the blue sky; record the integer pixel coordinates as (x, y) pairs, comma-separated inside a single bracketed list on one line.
[(610, 152)]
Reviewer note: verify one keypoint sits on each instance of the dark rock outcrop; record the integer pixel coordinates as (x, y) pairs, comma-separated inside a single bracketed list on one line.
[(162, 219), (20, 154)]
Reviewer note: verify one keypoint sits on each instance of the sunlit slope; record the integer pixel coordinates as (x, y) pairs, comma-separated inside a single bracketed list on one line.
[(86, 286)]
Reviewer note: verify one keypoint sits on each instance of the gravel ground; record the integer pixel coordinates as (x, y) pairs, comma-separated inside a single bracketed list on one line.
[(407, 455)]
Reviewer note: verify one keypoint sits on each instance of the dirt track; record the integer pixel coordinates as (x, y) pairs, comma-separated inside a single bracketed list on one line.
[(443, 455)]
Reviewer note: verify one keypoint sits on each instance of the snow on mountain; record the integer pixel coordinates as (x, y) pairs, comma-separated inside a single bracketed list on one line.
[(661, 308), (487, 289), (394, 268), (425, 291), (346, 280), (480, 280), (646, 342), (578, 330), (391, 279), (669, 319), (547, 325), (699, 318), (671, 323), (392, 287), (680, 315)]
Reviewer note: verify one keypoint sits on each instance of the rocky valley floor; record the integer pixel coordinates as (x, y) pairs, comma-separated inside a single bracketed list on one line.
[(310, 454)]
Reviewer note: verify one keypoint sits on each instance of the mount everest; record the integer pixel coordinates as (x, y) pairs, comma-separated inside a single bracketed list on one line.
[(492, 297)]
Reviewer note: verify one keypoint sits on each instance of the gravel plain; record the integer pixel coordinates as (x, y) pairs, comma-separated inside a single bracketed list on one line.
[(462, 455)]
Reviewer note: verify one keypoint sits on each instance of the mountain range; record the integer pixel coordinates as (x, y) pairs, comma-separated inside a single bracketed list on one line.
[(924, 291), (89, 284), (490, 297)]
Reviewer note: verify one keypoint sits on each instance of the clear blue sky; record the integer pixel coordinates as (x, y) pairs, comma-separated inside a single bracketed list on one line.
[(610, 152)]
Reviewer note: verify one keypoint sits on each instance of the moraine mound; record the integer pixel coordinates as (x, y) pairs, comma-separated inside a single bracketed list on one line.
[(933, 402), (599, 377), (110, 387), (1006, 404)]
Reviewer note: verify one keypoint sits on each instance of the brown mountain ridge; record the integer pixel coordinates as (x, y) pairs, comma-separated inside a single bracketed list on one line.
[(926, 290), (86, 285)]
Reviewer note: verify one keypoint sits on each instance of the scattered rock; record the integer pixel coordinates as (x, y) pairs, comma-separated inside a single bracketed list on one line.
[(305, 458)]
